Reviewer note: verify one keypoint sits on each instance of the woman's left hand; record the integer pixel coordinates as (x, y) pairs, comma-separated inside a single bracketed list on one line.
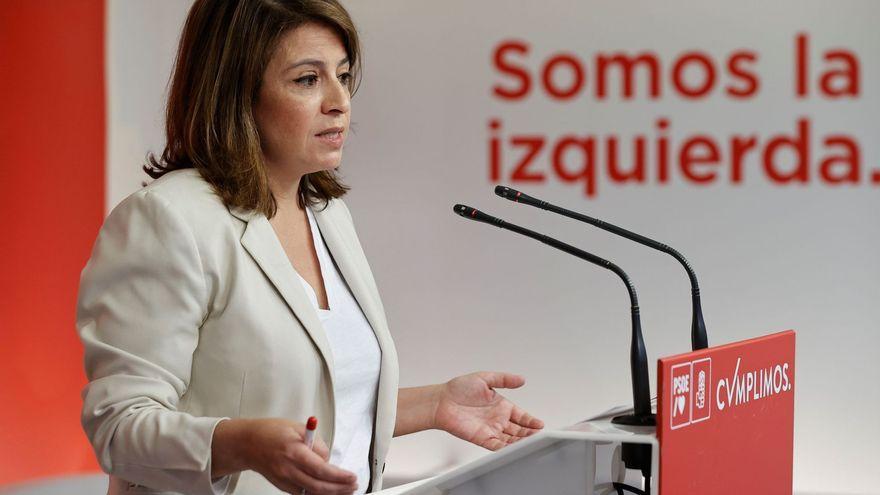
[(469, 407)]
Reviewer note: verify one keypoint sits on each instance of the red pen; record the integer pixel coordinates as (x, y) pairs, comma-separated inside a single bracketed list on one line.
[(311, 426)]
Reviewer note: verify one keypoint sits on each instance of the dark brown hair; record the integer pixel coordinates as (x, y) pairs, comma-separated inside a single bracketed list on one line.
[(209, 124)]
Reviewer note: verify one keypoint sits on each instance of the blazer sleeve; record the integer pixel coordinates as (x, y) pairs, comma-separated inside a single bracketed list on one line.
[(142, 298)]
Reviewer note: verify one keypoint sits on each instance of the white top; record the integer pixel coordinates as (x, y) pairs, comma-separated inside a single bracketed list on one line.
[(356, 359)]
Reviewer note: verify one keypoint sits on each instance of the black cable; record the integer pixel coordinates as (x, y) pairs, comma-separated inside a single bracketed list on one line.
[(621, 487)]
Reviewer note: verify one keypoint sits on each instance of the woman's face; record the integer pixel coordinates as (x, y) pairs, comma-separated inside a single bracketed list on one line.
[(302, 110)]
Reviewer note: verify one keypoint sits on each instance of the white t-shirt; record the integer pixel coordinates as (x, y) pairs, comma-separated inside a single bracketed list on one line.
[(356, 359)]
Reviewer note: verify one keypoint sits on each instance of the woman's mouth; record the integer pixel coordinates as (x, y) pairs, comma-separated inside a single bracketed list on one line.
[(332, 137)]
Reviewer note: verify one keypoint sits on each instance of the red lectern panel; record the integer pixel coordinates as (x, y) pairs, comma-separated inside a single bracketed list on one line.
[(725, 418)]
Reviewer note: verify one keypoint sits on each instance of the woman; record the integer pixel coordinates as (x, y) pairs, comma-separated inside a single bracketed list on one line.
[(230, 299)]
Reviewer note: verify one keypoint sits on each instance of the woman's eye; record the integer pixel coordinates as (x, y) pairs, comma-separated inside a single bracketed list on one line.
[(345, 77), (307, 81)]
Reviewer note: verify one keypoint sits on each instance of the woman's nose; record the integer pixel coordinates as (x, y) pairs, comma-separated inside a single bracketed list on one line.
[(336, 98)]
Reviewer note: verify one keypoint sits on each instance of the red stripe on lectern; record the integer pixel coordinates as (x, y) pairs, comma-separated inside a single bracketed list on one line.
[(52, 200)]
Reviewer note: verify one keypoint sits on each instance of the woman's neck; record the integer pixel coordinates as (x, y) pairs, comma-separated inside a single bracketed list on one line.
[(285, 190)]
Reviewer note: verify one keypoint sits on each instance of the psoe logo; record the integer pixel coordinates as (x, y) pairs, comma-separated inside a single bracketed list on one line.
[(691, 400)]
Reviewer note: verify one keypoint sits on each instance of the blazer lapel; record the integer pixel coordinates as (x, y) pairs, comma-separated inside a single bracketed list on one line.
[(345, 255), (262, 244)]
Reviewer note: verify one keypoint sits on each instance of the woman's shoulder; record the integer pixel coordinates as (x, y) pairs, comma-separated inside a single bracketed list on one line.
[(181, 197), (185, 188), (185, 193)]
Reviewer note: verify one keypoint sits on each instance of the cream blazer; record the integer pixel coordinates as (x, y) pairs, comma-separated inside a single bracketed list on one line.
[(190, 313)]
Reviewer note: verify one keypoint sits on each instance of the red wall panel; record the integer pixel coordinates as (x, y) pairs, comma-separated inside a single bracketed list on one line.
[(52, 136)]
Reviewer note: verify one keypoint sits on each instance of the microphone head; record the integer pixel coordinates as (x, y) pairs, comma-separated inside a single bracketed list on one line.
[(463, 211), (506, 192), (517, 196), (475, 214)]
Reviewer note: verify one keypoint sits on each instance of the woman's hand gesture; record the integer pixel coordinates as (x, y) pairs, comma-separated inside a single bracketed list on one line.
[(469, 407)]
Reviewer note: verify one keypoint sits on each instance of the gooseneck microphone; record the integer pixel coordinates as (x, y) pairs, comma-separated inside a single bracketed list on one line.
[(638, 358), (699, 340)]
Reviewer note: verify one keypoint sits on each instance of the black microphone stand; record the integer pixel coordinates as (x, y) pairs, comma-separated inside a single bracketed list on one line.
[(635, 456)]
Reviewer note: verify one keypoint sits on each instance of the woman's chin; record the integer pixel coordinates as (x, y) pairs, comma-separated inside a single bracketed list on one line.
[(323, 162), (332, 163)]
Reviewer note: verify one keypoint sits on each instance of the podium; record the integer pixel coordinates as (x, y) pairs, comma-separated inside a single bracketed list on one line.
[(725, 425)]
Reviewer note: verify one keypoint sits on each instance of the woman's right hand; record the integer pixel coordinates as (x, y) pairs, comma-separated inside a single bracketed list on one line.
[(276, 449)]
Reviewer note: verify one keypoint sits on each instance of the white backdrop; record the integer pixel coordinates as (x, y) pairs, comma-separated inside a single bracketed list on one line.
[(462, 296)]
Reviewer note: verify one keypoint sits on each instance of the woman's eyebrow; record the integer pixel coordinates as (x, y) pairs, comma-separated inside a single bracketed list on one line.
[(315, 62)]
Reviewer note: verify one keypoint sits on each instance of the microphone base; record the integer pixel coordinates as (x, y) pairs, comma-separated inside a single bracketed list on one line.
[(636, 420), (636, 455)]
